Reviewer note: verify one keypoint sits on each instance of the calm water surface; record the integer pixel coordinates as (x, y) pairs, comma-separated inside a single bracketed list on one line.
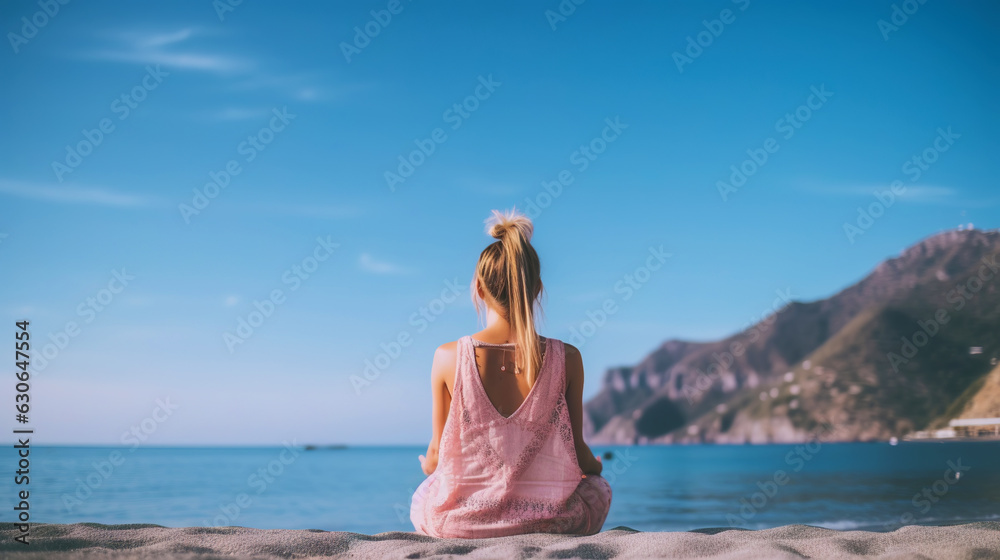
[(367, 489)]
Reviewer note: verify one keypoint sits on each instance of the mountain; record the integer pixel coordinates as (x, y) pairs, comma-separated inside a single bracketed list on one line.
[(906, 348), (980, 400)]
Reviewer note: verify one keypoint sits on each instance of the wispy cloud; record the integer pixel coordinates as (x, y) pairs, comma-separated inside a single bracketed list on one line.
[(162, 39), (176, 61), (927, 193), (186, 49), (168, 49), (913, 193), (305, 86), (73, 194), (369, 263)]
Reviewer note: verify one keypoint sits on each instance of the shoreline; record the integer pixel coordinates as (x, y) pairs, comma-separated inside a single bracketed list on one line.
[(345, 447), (134, 541)]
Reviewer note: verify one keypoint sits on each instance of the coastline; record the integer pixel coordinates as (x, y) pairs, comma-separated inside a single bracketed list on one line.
[(118, 542)]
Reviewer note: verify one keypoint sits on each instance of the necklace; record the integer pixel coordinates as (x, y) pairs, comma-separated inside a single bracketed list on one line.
[(503, 364)]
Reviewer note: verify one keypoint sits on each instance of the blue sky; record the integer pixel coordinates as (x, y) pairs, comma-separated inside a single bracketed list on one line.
[(535, 94)]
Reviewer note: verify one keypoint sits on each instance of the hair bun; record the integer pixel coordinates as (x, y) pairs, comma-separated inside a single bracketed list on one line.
[(500, 224)]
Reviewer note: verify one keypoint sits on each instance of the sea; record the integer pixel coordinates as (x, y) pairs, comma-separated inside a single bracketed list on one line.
[(867, 486)]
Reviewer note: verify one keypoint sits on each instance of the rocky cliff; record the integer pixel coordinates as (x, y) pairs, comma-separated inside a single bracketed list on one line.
[(899, 351)]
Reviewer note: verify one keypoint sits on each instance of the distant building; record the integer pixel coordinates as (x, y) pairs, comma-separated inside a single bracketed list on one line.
[(976, 427)]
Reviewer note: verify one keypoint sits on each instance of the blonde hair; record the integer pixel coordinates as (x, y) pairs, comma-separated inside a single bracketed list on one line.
[(510, 274)]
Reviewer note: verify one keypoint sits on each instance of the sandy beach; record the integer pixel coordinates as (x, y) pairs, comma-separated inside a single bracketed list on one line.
[(113, 542)]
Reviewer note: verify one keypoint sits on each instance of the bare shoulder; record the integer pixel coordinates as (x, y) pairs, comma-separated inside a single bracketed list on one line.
[(572, 352), (446, 349), (574, 363), (445, 359)]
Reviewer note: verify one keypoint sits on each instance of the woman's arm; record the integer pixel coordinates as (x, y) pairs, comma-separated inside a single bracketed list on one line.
[(442, 370), (574, 402)]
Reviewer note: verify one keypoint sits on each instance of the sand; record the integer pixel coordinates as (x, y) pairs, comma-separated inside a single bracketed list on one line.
[(93, 540)]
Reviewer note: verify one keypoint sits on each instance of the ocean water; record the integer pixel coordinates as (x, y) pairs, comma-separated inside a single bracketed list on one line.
[(871, 486)]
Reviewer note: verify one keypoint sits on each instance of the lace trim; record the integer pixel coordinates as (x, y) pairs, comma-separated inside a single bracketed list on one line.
[(529, 516)]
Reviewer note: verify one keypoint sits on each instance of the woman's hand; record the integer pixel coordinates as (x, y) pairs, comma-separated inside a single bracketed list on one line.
[(428, 465), (594, 466)]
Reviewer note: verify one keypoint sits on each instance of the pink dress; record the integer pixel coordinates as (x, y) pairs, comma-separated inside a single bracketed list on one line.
[(500, 476)]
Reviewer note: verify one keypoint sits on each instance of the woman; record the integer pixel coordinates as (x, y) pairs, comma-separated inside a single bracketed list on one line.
[(507, 454)]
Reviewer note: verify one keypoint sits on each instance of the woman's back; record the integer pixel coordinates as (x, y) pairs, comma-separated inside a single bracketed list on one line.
[(504, 383), (513, 470), (507, 454)]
